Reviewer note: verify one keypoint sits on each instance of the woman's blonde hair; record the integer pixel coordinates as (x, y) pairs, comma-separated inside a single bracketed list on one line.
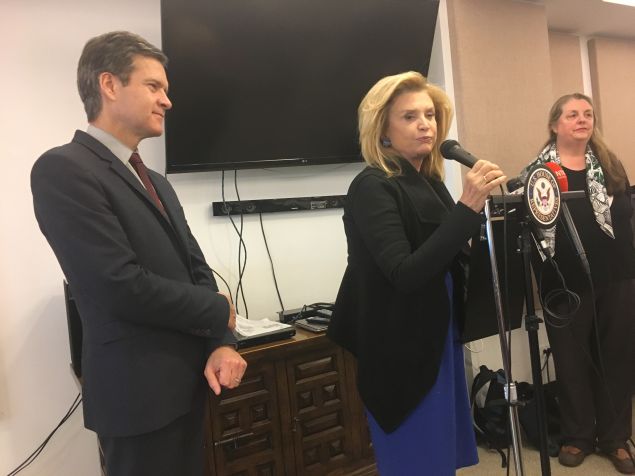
[(614, 173), (372, 117)]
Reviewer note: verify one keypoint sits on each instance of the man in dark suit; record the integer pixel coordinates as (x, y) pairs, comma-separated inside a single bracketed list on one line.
[(154, 323)]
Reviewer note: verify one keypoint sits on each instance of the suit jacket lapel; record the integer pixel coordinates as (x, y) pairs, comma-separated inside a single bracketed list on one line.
[(171, 208), (120, 169), (116, 165)]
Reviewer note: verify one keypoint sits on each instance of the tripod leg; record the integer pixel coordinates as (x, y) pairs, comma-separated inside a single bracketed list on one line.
[(511, 393), (531, 325), (514, 423)]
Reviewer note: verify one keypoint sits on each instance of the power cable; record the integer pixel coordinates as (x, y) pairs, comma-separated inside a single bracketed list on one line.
[(273, 271), (32, 457)]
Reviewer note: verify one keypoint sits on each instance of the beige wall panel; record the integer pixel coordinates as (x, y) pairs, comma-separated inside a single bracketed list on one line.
[(612, 65), (502, 78), (566, 64)]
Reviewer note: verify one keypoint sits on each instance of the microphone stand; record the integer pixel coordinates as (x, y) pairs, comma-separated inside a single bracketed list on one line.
[(510, 386), (532, 324)]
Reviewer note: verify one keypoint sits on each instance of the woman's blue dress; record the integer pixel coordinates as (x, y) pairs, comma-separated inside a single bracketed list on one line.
[(437, 438)]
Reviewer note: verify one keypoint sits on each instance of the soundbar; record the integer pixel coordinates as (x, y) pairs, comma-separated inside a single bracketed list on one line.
[(245, 207)]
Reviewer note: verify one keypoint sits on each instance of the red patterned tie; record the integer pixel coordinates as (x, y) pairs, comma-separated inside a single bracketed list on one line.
[(142, 171)]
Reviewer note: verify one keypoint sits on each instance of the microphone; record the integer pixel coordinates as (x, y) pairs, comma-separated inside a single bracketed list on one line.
[(563, 184), (515, 184), (561, 176), (452, 150)]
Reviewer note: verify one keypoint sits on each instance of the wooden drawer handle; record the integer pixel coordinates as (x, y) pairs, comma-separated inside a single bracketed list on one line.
[(233, 439)]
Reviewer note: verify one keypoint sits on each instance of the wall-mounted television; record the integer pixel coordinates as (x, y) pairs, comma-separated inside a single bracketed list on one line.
[(264, 83)]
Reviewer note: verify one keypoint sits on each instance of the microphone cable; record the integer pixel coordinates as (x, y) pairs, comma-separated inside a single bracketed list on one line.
[(506, 271), (556, 295), (505, 306), (601, 371), (565, 319)]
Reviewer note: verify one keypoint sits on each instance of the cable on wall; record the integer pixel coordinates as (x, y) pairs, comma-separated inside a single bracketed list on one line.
[(241, 245), (273, 271), (226, 285), (241, 268)]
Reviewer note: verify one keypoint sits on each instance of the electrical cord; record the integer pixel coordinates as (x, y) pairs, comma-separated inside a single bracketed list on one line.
[(310, 308), (552, 317), (225, 207), (505, 305), (601, 371), (240, 238), (299, 315), (566, 319), (547, 353), (226, 285), (241, 268), (506, 271), (273, 271), (39, 449)]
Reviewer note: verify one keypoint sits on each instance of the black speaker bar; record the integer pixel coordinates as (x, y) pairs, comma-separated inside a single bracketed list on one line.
[(271, 205)]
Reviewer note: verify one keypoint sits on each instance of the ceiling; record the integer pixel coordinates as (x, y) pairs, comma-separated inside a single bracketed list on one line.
[(590, 18)]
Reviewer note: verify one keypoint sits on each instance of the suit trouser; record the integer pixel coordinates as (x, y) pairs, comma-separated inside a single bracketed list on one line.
[(174, 450), (596, 407)]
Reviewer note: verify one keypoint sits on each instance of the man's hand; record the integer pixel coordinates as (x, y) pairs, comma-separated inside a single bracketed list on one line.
[(225, 367), (231, 323)]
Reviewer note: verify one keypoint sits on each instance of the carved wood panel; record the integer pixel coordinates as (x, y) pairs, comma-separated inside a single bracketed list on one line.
[(321, 422), (246, 426), (296, 413)]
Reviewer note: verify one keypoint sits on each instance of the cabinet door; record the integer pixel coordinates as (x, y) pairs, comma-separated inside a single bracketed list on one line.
[(321, 423), (246, 439)]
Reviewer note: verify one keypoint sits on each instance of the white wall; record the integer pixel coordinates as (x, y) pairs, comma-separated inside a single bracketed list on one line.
[(41, 42)]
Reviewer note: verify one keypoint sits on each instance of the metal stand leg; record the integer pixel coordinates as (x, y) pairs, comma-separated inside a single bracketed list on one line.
[(511, 395), (532, 323)]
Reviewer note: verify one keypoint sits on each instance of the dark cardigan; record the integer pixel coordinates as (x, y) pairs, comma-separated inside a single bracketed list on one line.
[(392, 311)]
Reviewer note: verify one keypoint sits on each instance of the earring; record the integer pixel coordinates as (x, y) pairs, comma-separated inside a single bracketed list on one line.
[(385, 142)]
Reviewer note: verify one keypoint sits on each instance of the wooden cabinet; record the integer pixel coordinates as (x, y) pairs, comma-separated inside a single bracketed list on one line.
[(296, 412)]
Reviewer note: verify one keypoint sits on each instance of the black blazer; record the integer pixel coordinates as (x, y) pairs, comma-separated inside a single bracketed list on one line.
[(392, 310), (144, 293)]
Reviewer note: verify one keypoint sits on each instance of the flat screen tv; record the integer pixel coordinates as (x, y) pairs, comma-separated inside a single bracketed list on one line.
[(263, 83)]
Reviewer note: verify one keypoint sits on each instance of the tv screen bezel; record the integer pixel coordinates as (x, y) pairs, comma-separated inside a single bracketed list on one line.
[(348, 153)]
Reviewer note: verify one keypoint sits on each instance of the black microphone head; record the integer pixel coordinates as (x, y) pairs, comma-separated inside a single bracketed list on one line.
[(447, 146), (514, 184), (452, 150)]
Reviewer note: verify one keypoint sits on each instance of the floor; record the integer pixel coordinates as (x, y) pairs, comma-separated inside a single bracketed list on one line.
[(490, 464)]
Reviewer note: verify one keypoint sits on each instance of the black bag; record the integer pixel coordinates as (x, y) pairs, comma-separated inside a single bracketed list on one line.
[(528, 413), (528, 417), (491, 410)]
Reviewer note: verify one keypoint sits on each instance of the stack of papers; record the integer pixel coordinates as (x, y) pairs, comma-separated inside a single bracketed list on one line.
[(254, 327)]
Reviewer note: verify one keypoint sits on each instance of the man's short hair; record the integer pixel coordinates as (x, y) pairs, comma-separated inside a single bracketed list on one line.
[(114, 53)]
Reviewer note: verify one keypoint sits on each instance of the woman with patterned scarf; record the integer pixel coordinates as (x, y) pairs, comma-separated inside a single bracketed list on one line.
[(592, 342)]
